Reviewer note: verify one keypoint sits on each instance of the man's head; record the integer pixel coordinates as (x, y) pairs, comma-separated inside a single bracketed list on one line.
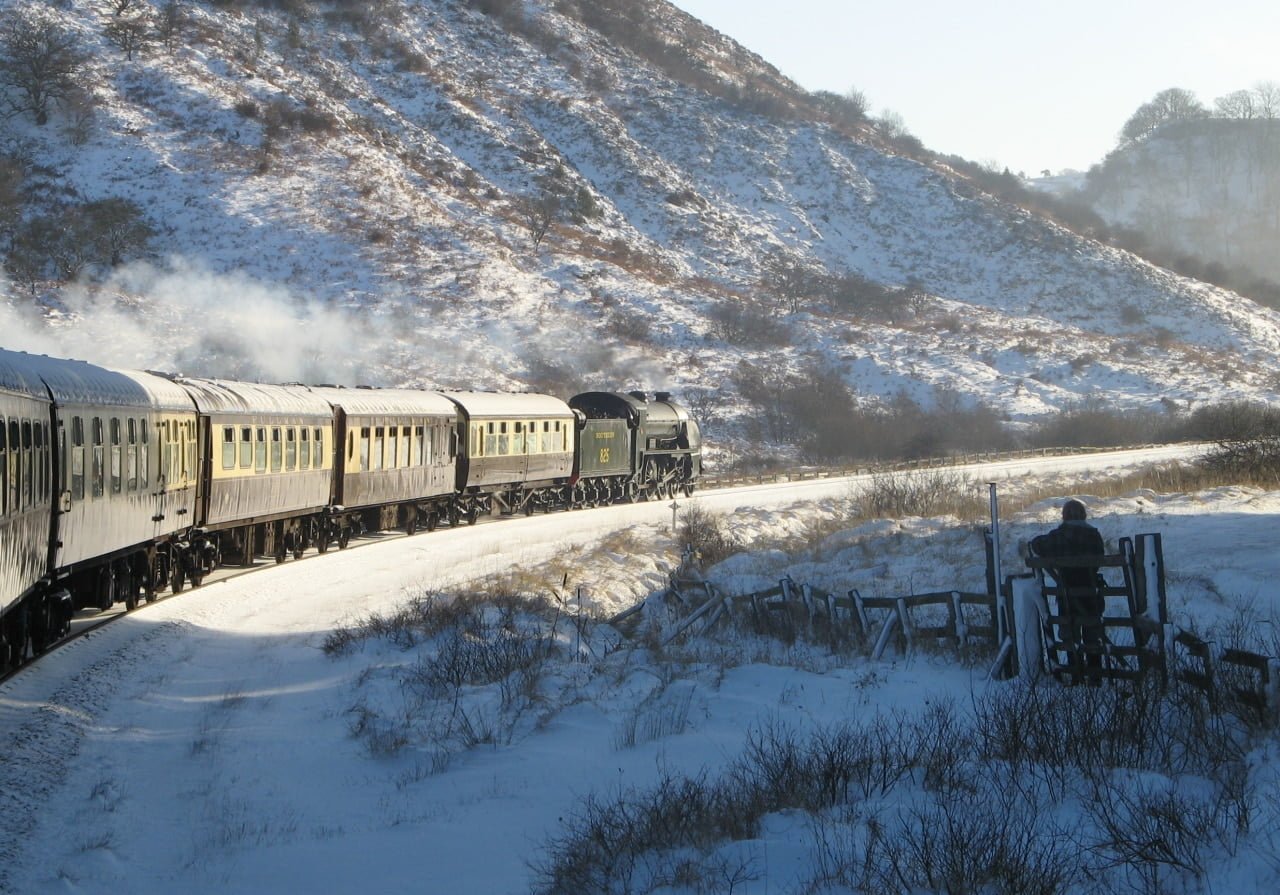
[(1074, 511)]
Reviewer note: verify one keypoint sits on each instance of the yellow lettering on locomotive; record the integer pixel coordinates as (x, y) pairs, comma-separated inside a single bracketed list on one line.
[(604, 455)]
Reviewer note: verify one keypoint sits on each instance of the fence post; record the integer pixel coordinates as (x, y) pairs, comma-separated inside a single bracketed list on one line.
[(1029, 611)]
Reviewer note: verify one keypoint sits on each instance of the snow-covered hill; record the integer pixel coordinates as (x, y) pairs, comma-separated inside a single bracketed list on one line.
[(1209, 188), (355, 192)]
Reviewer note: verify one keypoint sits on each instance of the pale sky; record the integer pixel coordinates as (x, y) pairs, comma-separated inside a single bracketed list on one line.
[(1028, 85)]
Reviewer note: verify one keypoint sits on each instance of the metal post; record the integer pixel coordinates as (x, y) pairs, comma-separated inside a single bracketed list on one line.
[(1001, 632), (675, 507)]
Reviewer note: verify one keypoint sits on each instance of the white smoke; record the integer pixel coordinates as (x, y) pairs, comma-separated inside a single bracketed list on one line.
[(186, 319)]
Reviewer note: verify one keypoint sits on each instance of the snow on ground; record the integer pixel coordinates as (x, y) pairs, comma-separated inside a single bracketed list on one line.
[(207, 743)]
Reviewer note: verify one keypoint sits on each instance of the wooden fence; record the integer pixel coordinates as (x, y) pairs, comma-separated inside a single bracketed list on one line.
[(1027, 625)]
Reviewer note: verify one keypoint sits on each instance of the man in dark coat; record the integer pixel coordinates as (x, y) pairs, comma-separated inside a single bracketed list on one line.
[(1083, 602)]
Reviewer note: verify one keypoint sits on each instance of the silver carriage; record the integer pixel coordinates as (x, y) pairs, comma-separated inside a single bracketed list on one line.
[(515, 452), (25, 504), (121, 478), (270, 458), (395, 458)]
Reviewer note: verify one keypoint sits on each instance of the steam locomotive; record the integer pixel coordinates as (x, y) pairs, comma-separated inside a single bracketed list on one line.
[(116, 484)]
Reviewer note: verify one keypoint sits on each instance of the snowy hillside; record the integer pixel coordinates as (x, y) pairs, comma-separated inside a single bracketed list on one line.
[(357, 192), (1209, 188)]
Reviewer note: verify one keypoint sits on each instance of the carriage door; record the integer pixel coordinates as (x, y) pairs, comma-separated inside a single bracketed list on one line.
[(203, 468), (160, 471)]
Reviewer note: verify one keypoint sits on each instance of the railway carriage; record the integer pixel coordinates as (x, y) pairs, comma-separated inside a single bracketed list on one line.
[(395, 459), (516, 452), (25, 500), (268, 452), (101, 485)]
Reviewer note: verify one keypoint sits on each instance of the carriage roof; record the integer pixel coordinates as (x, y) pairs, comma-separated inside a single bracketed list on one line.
[(387, 401), (498, 405), (224, 396), (77, 382)]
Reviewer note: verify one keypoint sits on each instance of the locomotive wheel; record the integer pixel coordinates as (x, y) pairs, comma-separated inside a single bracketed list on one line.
[(688, 489)]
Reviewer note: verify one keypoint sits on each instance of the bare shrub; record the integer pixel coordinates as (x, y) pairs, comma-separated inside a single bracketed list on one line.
[(1093, 422), (745, 326), (703, 534), (935, 492), (1247, 435)]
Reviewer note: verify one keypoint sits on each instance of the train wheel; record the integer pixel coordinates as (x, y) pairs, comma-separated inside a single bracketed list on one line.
[(176, 577), (344, 538), (688, 489), (130, 592), (433, 519), (411, 526), (473, 513)]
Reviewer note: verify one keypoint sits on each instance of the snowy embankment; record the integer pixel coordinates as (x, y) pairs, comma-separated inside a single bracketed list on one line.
[(205, 743)]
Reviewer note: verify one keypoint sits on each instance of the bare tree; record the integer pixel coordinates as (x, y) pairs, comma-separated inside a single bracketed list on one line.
[(704, 404), (1239, 104), (1166, 107), (172, 20), (791, 280), (120, 7), (539, 211), (1267, 95), (115, 228), (130, 33), (40, 63)]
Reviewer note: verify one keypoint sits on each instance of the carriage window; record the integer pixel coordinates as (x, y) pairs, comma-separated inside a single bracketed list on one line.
[(132, 465), (228, 447), (277, 450), (144, 455), (117, 462), (402, 459), (318, 448), (364, 448), (379, 445), (15, 464), (260, 449), (77, 458), (392, 442), (504, 440), (421, 458), (4, 467), (291, 449), (98, 457), (304, 449), (37, 461), (189, 452), (246, 447)]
